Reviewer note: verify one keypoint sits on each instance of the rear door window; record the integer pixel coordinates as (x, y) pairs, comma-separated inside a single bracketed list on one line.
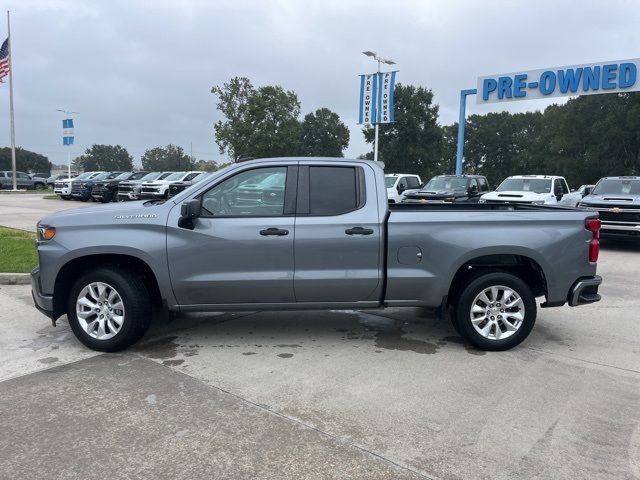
[(413, 182), (332, 190)]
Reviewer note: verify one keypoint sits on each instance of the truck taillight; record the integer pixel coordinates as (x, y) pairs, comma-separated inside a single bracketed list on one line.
[(593, 225)]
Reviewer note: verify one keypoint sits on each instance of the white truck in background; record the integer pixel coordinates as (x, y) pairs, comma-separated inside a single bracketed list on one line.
[(398, 183), (533, 190)]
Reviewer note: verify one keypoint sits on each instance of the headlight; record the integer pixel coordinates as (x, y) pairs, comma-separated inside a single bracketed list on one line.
[(46, 233), (482, 200)]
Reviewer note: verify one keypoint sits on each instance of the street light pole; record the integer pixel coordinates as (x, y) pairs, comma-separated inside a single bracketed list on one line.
[(380, 60)]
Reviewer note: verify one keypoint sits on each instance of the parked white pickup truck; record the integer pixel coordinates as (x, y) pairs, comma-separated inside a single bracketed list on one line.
[(398, 183), (533, 190)]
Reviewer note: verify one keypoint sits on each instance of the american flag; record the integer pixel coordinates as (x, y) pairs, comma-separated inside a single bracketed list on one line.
[(4, 59)]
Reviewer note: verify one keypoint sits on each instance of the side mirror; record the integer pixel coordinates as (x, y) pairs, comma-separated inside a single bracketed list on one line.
[(401, 188), (188, 211)]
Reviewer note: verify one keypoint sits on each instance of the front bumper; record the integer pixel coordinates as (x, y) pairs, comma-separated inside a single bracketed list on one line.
[(619, 228), (66, 191), (585, 291), (129, 195), (44, 303)]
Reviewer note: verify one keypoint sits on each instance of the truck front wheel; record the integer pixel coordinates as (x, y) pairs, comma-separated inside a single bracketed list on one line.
[(495, 311), (109, 309)]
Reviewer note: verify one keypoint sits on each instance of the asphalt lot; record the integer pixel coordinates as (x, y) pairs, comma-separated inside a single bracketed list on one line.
[(341, 394)]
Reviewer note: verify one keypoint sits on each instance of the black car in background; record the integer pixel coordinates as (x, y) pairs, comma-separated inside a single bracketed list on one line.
[(177, 187), (81, 189), (106, 191), (450, 189)]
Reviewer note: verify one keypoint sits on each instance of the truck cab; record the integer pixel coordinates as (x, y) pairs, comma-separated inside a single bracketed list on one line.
[(398, 183), (449, 189), (534, 190)]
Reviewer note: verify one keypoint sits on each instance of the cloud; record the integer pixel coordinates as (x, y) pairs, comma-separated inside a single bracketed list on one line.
[(140, 73)]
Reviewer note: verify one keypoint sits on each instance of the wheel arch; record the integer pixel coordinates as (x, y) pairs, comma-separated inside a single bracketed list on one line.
[(79, 265), (524, 266)]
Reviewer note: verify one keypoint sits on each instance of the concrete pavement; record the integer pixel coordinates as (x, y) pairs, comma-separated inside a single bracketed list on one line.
[(24, 210), (379, 394)]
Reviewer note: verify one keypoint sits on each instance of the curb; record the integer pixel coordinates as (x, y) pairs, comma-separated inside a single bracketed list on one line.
[(15, 278)]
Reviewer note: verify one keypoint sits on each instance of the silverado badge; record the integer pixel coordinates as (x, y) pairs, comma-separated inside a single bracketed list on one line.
[(615, 210)]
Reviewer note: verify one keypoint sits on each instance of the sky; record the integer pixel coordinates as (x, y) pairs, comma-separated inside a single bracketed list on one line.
[(140, 72)]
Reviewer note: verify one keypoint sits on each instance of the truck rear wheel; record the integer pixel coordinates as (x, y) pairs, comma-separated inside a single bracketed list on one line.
[(495, 311), (109, 309)]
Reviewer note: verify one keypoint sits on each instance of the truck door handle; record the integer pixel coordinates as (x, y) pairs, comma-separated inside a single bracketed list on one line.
[(274, 231), (358, 231)]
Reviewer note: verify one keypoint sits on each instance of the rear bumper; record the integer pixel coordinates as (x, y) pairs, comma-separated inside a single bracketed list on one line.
[(44, 303), (585, 291)]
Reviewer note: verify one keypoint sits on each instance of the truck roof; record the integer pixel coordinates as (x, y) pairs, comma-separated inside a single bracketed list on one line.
[(625, 177), (536, 176), (306, 159)]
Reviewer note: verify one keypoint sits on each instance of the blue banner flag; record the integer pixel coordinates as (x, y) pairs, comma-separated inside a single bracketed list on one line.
[(376, 98), (67, 131)]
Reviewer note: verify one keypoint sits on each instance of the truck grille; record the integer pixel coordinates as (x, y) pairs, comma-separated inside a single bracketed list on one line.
[(149, 190), (125, 188), (76, 187), (622, 216)]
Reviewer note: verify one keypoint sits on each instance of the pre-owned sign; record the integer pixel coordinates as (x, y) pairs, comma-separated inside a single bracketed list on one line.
[(588, 79)]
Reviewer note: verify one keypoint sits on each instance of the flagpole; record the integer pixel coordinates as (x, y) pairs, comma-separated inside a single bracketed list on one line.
[(13, 130)]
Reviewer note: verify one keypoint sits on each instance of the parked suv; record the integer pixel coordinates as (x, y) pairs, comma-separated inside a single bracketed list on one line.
[(160, 188), (397, 183), (23, 180), (61, 176), (450, 189), (617, 199), (130, 189), (63, 187), (178, 187), (106, 191), (81, 190)]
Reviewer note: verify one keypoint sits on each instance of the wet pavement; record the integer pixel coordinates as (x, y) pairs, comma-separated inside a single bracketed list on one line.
[(338, 394)]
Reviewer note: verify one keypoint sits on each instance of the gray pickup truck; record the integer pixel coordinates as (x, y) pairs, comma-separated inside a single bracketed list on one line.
[(617, 200), (311, 233)]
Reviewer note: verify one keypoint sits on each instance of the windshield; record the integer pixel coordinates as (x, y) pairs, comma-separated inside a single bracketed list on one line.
[(138, 175), (151, 176), (84, 175), (200, 176), (390, 181), (176, 176), (446, 183), (102, 176), (617, 187), (123, 176), (536, 185)]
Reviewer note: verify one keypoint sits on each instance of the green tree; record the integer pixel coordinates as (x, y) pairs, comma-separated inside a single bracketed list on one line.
[(259, 122), (323, 134), (413, 144), (105, 157), (209, 166), (26, 161), (498, 145), (171, 157)]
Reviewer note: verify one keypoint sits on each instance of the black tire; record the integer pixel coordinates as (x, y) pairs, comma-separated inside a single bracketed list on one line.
[(65, 197), (464, 303), (38, 186), (136, 301)]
